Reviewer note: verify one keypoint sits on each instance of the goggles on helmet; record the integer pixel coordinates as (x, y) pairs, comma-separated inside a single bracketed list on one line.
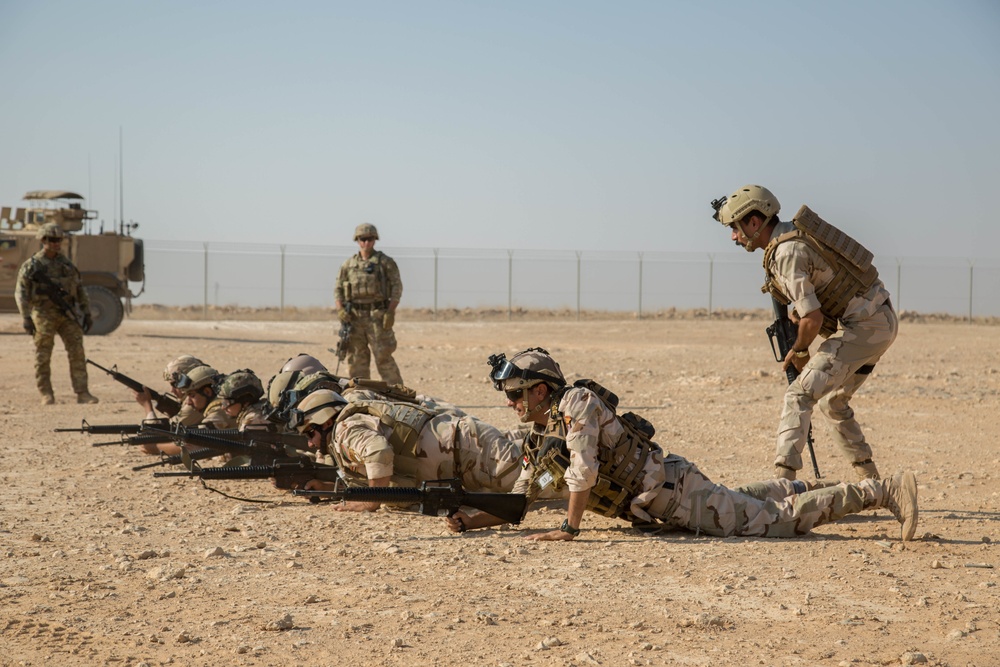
[(180, 380), (503, 369)]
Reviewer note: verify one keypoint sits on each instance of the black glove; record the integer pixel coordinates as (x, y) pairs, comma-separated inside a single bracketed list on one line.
[(88, 322), (29, 326)]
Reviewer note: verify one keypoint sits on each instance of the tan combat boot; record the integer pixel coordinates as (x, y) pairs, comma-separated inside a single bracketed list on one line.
[(48, 398), (783, 472), (86, 397), (899, 496), (866, 470), (813, 484)]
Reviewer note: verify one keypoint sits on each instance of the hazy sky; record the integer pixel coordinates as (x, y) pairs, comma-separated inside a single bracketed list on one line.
[(569, 125)]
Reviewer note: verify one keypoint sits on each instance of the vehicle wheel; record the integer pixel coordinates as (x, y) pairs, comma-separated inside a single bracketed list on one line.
[(106, 309)]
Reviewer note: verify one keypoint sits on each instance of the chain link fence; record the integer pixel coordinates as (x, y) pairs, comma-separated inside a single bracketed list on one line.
[(301, 276)]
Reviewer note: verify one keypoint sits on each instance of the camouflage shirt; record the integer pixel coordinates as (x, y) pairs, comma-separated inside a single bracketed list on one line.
[(61, 271), (371, 280)]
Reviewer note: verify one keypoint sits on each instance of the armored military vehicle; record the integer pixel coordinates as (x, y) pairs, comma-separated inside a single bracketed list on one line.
[(108, 260)]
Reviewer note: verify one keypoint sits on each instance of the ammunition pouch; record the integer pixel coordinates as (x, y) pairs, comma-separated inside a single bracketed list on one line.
[(404, 421)]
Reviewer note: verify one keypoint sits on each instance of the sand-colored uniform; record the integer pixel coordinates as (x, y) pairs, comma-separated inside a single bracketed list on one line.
[(50, 320), (482, 457), (215, 416), (671, 489), (252, 414), (187, 416), (368, 285), (831, 377)]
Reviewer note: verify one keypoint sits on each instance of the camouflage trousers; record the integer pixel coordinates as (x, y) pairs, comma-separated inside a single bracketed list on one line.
[(831, 378), (775, 510), (47, 325), (367, 332)]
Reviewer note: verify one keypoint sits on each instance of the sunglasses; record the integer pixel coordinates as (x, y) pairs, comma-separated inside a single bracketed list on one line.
[(366, 239), (52, 239), (514, 395)]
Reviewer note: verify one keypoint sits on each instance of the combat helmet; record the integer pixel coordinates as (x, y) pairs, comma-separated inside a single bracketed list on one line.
[(242, 386), (524, 370), (197, 378), (365, 229), (51, 230), (179, 366), (732, 209), (305, 363), (315, 409)]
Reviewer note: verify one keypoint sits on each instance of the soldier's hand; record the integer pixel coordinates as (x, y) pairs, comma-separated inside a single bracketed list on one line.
[(388, 320), (88, 323), (457, 522), (29, 326), (343, 315), (551, 536)]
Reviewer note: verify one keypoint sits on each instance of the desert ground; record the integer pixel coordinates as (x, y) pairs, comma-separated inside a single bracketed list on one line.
[(103, 565)]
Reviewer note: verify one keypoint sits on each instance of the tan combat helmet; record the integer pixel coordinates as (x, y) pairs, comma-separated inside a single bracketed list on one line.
[(746, 200), (197, 378), (365, 229), (305, 363), (316, 409), (525, 370), (242, 386), (180, 366), (51, 230)]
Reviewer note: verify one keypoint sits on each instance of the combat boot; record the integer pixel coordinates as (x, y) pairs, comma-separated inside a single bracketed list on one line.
[(48, 398), (899, 496), (783, 472), (813, 484), (866, 470), (86, 397)]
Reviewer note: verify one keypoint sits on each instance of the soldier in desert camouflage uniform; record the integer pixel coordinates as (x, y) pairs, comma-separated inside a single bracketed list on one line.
[(199, 386), (378, 442), (829, 280), (367, 293), (43, 318), (187, 416), (610, 466), (242, 396)]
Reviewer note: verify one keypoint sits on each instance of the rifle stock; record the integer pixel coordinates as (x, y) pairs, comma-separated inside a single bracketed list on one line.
[(784, 331), (441, 497), (165, 403)]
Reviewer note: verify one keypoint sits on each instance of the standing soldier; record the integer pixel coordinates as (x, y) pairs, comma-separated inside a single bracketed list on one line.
[(366, 296), (829, 280), (52, 301)]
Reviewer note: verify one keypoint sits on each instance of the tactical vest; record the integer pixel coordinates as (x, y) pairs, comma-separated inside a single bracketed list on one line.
[(851, 262), (405, 422), (366, 281), (620, 468), (392, 392)]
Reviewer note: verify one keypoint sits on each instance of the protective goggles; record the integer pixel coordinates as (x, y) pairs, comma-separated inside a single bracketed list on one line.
[(504, 370), (180, 380)]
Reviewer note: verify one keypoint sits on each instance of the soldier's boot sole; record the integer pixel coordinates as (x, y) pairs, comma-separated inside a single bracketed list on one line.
[(86, 397), (900, 498)]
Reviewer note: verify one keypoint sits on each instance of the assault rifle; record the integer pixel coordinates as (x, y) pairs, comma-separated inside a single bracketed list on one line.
[(116, 429), (165, 403), (785, 332), (286, 474), (55, 293), (344, 336), (440, 497), (184, 459), (259, 452)]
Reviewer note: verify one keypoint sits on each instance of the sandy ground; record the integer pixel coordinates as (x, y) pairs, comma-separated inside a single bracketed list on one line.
[(105, 566)]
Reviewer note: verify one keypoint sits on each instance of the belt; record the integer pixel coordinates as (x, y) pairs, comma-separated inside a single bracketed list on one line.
[(378, 305)]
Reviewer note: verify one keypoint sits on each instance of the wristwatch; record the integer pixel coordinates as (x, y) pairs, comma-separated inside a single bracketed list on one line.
[(566, 528), (801, 354)]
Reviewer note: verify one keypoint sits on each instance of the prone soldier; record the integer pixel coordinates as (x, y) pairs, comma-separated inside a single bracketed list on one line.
[(188, 415)]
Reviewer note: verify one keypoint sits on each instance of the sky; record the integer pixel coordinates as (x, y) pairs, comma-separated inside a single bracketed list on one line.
[(525, 125)]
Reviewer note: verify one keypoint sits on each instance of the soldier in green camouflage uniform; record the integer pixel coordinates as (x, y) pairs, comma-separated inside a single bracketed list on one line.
[(43, 318), (829, 280), (610, 466), (366, 295), (378, 442)]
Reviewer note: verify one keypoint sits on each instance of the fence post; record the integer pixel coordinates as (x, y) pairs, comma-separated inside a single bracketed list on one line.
[(204, 303), (578, 254), (971, 263), (711, 275), (510, 283), (899, 284), (435, 283), (640, 285), (282, 308)]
